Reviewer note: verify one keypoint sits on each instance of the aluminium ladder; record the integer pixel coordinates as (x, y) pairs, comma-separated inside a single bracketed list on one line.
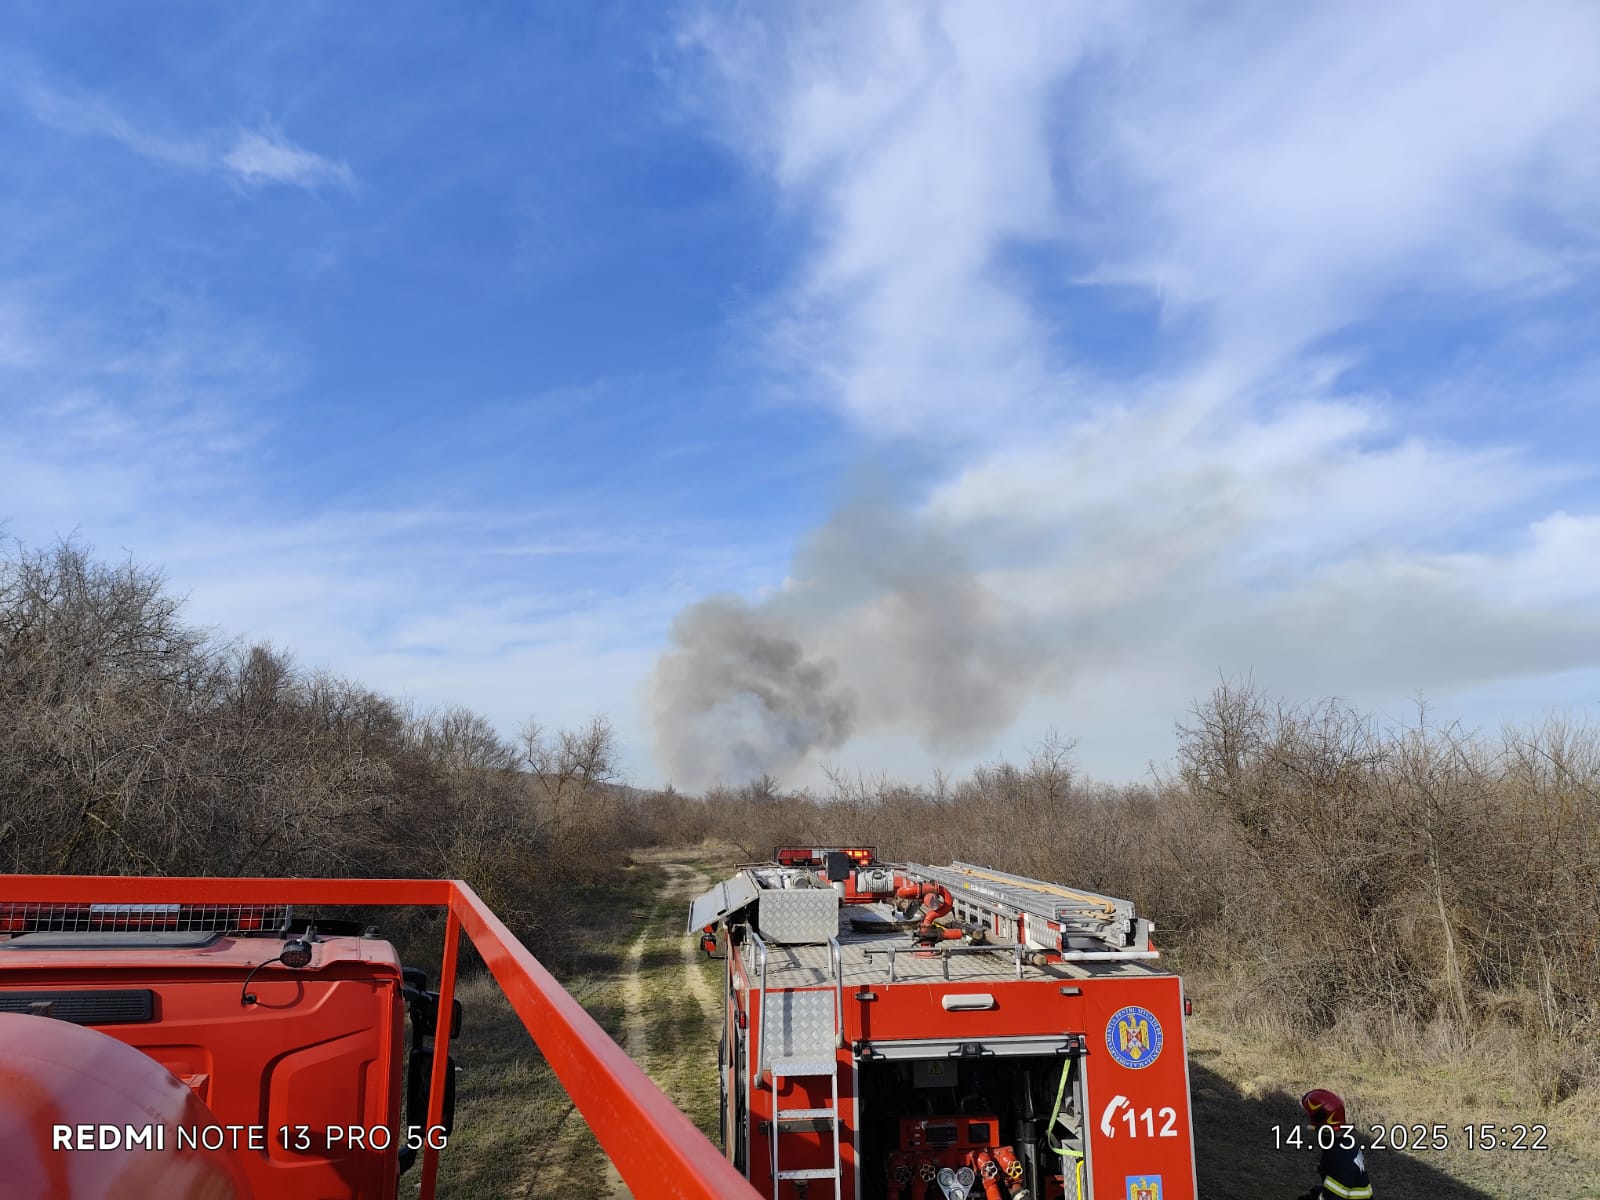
[(807, 1029), (1024, 908)]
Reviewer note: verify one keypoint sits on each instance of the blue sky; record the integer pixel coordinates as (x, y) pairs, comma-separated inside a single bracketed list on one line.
[(1017, 367)]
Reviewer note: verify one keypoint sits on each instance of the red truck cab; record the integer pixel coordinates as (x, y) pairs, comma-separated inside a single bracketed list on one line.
[(290, 1037)]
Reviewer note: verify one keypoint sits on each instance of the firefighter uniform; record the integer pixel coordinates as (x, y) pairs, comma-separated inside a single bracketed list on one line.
[(1343, 1169)]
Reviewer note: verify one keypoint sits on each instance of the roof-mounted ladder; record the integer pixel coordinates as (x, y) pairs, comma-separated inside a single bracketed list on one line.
[(1043, 916)]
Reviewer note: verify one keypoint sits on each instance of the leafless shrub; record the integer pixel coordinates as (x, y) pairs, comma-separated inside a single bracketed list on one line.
[(135, 744), (1329, 875)]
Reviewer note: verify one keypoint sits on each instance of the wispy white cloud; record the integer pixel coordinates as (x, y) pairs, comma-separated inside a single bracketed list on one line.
[(254, 156), (1271, 177), (269, 157), (1287, 170), (134, 414), (1266, 181), (83, 114), (918, 139)]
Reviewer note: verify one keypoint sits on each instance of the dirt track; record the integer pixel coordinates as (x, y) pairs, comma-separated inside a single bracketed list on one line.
[(643, 978), (671, 1004)]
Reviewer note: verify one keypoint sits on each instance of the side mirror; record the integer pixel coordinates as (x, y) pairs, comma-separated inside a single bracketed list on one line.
[(425, 1014), (424, 1007), (419, 1077)]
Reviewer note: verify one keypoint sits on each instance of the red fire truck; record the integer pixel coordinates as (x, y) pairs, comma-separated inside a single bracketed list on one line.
[(897, 1031)]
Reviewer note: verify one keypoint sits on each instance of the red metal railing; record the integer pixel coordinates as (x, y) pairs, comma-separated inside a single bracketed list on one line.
[(656, 1149)]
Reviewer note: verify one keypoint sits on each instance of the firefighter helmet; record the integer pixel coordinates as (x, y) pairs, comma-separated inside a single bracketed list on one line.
[(1323, 1107)]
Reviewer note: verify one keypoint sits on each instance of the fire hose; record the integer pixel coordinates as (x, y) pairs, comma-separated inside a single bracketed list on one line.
[(1068, 1155)]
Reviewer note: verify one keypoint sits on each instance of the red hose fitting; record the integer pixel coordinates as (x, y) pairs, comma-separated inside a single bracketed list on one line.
[(942, 902), (1008, 1162), (983, 1167)]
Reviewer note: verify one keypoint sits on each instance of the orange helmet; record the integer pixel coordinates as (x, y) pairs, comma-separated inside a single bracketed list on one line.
[(1323, 1107)]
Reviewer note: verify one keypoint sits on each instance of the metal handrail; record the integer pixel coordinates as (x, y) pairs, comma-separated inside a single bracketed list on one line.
[(761, 1054), (1106, 955), (761, 988), (946, 951), (656, 1148), (836, 960)]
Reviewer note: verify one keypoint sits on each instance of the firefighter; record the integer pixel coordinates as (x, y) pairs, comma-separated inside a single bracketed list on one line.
[(1342, 1169)]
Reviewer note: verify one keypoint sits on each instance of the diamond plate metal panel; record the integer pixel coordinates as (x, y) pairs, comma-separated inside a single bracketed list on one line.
[(804, 1066), (728, 896), (804, 1027), (798, 916)]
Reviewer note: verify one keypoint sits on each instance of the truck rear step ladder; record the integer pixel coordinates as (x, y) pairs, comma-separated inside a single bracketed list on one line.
[(810, 1033)]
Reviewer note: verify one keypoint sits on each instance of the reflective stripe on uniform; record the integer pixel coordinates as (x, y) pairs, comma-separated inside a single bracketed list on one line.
[(1334, 1188)]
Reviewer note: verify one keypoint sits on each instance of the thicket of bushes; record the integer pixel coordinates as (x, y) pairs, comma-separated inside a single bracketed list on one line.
[(131, 743), (1313, 869), (1317, 869)]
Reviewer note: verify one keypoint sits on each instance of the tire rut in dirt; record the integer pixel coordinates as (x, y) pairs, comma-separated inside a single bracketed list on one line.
[(671, 1071)]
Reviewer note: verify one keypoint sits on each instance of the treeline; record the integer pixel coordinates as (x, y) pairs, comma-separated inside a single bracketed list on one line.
[(1409, 889), (132, 743), (1309, 866)]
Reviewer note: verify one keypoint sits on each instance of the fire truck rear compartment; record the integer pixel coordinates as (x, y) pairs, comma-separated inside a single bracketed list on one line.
[(912, 1032), (941, 1111)]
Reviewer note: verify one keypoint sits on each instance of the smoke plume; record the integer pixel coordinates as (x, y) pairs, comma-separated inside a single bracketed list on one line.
[(884, 625), (739, 696)]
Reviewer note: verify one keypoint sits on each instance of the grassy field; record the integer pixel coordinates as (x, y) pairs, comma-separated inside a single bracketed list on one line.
[(1245, 1081), (645, 982)]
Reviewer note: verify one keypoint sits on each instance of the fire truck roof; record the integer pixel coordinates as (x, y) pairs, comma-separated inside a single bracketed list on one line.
[(872, 945), (92, 952)]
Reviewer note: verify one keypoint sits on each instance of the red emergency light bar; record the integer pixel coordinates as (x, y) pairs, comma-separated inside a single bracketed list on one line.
[(18, 918), (813, 856)]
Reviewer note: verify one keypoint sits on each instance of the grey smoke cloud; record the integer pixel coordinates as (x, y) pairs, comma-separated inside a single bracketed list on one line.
[(884, 624), (948, 620), (739, 696)]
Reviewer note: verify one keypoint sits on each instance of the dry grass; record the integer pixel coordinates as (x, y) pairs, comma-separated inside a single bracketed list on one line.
[(643, 979), (1247, 1070), (509, 1104), (680, 1000), (516, 1131)]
